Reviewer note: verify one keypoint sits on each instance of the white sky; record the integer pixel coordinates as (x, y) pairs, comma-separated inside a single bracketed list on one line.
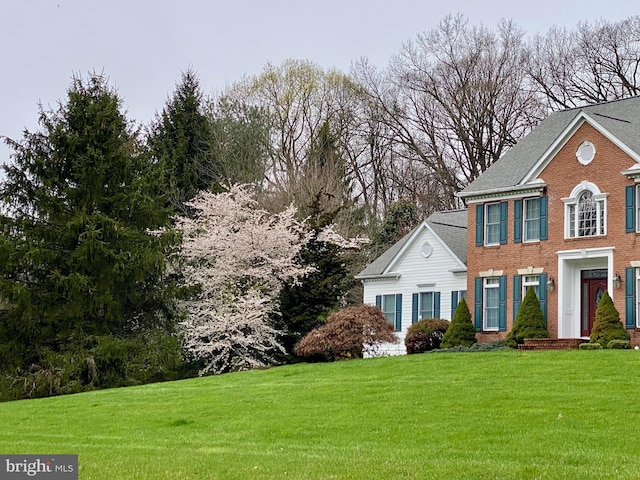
[(144, 45)]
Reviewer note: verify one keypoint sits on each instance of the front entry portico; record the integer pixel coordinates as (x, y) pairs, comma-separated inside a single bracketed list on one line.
[(583, 276)]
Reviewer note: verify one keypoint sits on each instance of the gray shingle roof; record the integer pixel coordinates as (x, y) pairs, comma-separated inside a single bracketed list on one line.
[(621, 118), (450, 226)]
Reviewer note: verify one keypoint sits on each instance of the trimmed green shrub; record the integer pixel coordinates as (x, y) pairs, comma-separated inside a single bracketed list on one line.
[(425, 335), (529, 321), (476, 347), (619, 344), (461, 331), (607, 325), (590, 346)]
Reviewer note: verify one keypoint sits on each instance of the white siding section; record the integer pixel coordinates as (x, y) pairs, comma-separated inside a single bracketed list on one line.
[(418, 274)]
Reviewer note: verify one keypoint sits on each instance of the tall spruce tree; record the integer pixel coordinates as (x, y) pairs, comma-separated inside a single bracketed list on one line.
[(76, 259), (180, 143)]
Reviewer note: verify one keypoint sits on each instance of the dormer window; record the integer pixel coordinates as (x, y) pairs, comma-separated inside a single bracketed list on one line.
[(585, 212)]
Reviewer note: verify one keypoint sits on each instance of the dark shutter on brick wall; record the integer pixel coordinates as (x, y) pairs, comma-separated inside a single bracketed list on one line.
[(542, 290), (544, 206), (630, 208), (479, 225), (477, 303), (630, 297), (517, 221), (517, 288), (503, 222), (502, 313)]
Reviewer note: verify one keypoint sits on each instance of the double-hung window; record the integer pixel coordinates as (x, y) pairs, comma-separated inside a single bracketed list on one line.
[(492, 224), (391, 306), (530, 219), (531, 281), (531, 214), (426, 305), (491, 302)]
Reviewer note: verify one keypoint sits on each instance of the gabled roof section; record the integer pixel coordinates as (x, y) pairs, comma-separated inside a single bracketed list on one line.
[(617, 120), (449, 226)]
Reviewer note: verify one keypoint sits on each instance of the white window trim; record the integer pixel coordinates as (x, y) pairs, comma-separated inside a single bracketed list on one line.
[(433, 304), (395, 308), (637, 208), (572, 201), (486, 224), (524, 220), (637, 280), (489, 283), (526, 283)]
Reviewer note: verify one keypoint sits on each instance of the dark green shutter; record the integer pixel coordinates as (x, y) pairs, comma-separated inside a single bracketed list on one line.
[(436, 304), (414, 308), (517, 288), (399, 312), (544, 207), (477, 301), (630, 208), (542, 290), (517, 221), (503, 222), (454, 303), (630, 297), (502, 313), (479, 225), (379, 301)]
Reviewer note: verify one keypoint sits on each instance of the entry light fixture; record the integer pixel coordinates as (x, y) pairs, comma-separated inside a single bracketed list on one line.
[(551, 284), (617, 281)]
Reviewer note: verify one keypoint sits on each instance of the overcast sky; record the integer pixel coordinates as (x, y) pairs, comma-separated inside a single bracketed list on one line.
[(144, 45)]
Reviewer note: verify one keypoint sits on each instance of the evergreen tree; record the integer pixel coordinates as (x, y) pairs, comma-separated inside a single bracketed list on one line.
[(180, 142), (77, 261), (461, 331), (305, 304), (529, 322), (607, 325)]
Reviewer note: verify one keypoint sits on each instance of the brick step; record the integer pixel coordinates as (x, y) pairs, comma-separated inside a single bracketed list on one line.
[(551, 343)]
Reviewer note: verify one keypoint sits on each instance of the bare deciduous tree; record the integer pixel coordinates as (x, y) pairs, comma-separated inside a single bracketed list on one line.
[(595, 63)]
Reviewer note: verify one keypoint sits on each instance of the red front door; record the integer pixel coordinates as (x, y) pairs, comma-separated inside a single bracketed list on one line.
[(592, 290)]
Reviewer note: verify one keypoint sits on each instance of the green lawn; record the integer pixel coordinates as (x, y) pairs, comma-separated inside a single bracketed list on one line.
[(505, 414)]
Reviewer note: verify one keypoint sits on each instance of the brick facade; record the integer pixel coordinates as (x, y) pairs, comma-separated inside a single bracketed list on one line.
[(561, 175)]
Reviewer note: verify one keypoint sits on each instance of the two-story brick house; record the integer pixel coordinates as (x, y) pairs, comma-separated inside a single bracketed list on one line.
[(560, 211)]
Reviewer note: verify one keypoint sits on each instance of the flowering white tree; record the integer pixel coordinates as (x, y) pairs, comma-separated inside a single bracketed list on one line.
[(238, 256)]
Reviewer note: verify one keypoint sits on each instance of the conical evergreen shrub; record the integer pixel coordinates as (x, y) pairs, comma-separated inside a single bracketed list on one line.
[(461, 331), (529, 322), (607, 325)]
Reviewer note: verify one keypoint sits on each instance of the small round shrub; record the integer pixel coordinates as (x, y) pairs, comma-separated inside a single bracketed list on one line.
[(461, 331), (425, 335), (607, 325), (529, 322), (590, 346), (619, 344)]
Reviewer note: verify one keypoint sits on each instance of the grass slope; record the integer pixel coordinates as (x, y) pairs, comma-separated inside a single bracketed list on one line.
[(499, 415)]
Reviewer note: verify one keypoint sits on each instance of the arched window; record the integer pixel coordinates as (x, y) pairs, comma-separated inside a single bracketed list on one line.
[(585, 212)]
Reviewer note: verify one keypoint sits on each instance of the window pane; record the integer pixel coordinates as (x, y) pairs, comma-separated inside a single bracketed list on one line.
[(426, 305), (491, 303), (389, 308), (493, 224), (531, 281), (532, 219), (587, 215), (638, 297)]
